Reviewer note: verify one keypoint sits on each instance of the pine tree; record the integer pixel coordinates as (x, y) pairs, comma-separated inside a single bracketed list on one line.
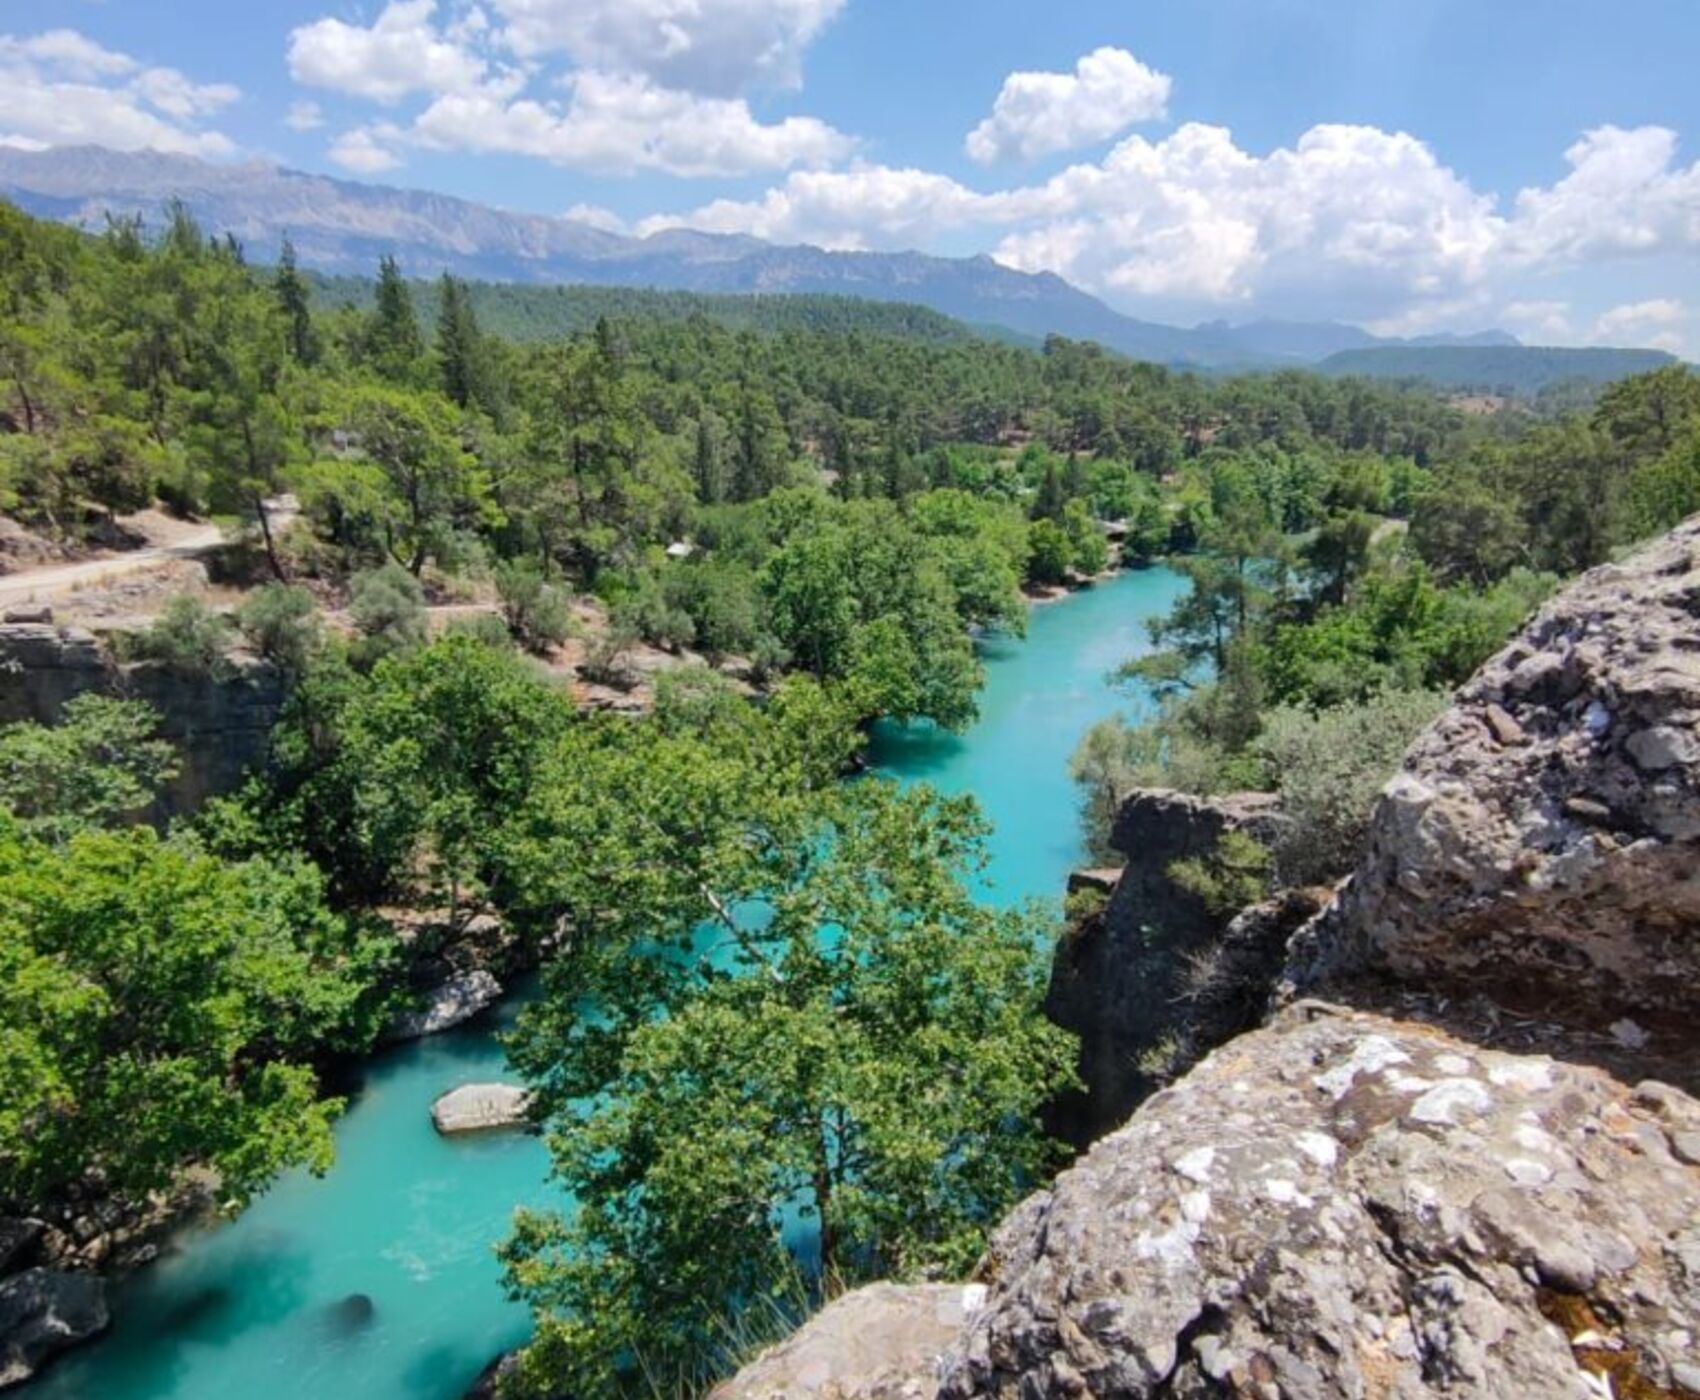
[(394, 345), (294, 297), (460, 346)]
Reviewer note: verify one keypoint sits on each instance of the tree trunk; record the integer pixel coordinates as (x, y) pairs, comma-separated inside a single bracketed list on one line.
[(271, 543)]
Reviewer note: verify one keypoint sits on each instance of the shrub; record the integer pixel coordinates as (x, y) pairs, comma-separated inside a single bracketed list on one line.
[(1232, 876), (538, 613), (388, 607), (1331, 765), (187, 636), (281, 623), (482, 627)]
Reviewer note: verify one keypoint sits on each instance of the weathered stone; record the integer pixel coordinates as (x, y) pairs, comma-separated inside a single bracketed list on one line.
[(1103, 881), (1503, 727), (1118, 980), (42, 1312), (1341, 1205), (446, 1005), (221, 723), (29, 612), (480, 1108), (1559, 877), (878, 1343), (18, 1239)]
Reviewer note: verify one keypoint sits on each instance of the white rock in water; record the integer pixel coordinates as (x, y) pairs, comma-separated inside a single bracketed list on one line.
[(459, 999), (480, 1108)]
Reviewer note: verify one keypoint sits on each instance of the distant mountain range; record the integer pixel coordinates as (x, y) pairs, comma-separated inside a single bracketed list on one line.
[(343, 227), (340, 226)]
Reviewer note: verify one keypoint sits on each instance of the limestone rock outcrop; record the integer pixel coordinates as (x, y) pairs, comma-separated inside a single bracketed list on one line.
[(1119, 980), (43, 1311), (447, 1005), (1344, 1206), (221, 723), (1542, 844), (878, 1343)]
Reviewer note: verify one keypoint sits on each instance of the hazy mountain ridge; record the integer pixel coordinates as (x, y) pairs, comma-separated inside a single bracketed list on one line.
[(343, 227)]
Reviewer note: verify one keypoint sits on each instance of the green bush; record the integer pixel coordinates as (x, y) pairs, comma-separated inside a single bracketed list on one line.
[(1235, 874), (388, 608), (187, 636), (1330, 765), (281, 623), (538, 613)]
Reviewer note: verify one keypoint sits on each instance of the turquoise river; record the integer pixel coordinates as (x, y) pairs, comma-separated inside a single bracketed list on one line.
[(271, 1305)]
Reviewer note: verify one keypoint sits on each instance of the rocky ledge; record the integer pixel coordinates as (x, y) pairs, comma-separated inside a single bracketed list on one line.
[(879, 1343), (1344, 1206), (43, 1311), (1542, 845)]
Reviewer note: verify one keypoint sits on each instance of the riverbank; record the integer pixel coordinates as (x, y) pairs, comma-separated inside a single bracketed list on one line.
[(407, 1219)]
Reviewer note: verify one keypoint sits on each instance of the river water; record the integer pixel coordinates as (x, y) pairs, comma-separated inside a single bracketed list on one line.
[(378, 1281)]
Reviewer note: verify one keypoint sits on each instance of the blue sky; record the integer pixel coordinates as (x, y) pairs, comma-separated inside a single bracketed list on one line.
[(1408, 164)]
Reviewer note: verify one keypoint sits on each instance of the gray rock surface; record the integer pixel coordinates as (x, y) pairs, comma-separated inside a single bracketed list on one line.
[(42, 1312), (1344, 1206), (446, 1005), (1542, 844), (480, 1108), (1119, 981), (221, 723), (878, 1343)]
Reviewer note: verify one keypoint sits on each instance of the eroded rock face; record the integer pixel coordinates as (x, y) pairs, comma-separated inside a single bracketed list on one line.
[(1543, 841), (43, 1311), (1119, 982), (1345, 1206), (221, 723), (878, 1343), (449, 1004)]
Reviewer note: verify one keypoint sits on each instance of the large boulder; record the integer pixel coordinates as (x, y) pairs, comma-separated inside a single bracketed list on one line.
[(480, 1108), (450, 1003), (1119, 981), (883, 1342), (1340, 1205), (1541, 846), (43, 1311)]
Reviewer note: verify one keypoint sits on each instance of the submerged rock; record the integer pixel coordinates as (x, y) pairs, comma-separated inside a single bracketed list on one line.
[(1341, 1205), (878, 1343), (42, 1312), (352, 1314), (448, 1004), (478, 1108)]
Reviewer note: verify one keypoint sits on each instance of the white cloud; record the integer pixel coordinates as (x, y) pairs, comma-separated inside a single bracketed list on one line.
[(176, 95), (366, 150), (618, 123), (304, 116), (1038, 114), (402, 52), (611, 120), (1650, 324), (1349, 221), (69, 55), (711, 47), (1624, 194), (595, 216), (1539, 322), (61, 88)]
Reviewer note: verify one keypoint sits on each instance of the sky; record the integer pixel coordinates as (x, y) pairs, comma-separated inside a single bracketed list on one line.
[(1408, 165)]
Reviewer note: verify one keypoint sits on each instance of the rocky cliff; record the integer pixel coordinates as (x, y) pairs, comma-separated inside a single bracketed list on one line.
[(221, 723), (1120, 980), (1482, 1177)]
